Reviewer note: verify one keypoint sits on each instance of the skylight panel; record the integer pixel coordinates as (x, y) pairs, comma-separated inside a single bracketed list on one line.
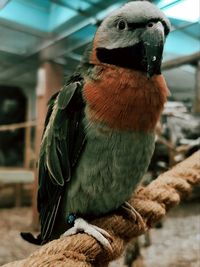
[(187, 10)]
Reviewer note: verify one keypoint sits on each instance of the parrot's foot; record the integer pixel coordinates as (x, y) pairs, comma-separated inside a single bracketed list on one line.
[(132, 213), (98, 233)]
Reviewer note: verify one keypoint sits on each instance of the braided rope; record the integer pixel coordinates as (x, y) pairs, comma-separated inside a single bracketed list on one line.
[(152, 202)]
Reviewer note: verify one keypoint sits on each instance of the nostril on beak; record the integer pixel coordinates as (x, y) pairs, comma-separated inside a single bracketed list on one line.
[(150, 24)]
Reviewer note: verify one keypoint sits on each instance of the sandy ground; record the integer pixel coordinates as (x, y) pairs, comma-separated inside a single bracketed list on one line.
[(177, 244)]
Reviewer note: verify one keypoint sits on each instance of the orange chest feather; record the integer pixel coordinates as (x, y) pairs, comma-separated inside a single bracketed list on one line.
[(125, 99)]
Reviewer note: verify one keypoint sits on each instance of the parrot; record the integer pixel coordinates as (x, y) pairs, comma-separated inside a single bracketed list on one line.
[(99, 132)]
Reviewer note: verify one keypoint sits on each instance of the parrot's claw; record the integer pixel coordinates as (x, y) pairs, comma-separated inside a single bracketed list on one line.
[(98, 233), (131, 211)]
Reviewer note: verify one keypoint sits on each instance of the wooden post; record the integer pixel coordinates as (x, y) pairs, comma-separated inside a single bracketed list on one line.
[(18, 194), (27, 143), (50, 80), (197, 90)]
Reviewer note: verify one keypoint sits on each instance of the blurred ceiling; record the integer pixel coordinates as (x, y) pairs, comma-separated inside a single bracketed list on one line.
[(59, 30)]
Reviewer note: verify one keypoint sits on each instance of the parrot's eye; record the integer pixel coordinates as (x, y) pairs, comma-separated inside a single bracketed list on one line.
[(121, 25)]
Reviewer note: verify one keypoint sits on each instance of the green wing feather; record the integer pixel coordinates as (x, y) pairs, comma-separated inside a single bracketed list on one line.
[(54, 145), (62, 139)]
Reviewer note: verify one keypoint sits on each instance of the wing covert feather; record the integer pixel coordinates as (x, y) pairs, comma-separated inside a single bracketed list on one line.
[(58, 150)]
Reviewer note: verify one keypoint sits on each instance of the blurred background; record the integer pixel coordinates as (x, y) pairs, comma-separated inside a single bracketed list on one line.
[(41, 44)]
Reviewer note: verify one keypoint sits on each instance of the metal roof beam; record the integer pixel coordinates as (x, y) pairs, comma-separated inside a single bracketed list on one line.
[(74, 56), (99, 6), (72, 26), (185, 26), (69, 6), (179, 61), (24, 29), (31, 17), (168, 5), (3, 3), (51, 53)]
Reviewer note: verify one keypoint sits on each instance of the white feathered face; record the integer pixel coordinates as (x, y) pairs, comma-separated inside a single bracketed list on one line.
[(133, 37)]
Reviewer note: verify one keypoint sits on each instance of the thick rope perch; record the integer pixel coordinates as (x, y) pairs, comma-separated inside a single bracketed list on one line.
[(152, 202)]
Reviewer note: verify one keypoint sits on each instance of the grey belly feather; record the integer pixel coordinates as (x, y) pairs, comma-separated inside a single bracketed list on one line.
[(110, 168)]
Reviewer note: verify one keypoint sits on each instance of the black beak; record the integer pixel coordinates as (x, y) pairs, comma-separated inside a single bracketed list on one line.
[(153, 40)]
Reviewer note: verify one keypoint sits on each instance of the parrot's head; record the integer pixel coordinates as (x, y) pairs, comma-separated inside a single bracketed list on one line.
[(132, 37)]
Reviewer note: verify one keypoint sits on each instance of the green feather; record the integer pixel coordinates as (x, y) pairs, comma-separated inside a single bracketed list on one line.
[(66, 95), (54, 143)]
